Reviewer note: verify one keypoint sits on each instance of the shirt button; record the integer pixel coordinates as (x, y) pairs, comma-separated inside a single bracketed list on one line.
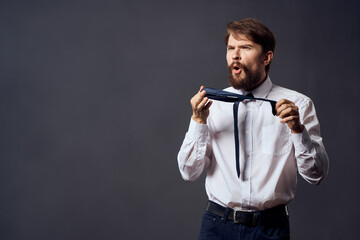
[(247, 132)]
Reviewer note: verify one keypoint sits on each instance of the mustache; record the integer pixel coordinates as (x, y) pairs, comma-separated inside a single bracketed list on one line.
[(238, 64)]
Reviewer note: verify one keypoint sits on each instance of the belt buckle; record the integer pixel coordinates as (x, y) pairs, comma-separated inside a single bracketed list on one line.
[(251, 218), (234, 217)]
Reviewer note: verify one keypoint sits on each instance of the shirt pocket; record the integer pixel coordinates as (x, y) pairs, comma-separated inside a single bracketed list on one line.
[(275, 140)]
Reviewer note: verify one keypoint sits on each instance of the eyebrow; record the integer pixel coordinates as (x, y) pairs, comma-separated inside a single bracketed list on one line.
[(242, 45)]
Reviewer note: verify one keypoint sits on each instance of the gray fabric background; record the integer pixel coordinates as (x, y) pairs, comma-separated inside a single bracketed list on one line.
[(94, 105)]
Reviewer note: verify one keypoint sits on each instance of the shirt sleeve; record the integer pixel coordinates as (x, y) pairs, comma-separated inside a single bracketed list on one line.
[(310, 153), (195, 152)]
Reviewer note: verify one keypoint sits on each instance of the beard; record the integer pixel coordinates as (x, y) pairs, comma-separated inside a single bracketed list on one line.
[(251, 80)]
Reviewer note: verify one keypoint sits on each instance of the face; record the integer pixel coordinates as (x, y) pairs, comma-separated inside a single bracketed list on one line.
[(246, 62)]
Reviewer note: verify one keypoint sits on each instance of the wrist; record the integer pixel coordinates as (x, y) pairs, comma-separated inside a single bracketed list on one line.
[(199, 120), (298, 130)]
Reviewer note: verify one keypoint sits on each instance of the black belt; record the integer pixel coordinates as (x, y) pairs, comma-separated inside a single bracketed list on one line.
[(268, 217)]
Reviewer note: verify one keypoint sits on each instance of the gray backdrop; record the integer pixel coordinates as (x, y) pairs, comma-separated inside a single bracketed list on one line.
[(94, 105)]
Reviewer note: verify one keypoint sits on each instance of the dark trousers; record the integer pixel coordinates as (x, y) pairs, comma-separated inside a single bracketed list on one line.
[(214, 227)]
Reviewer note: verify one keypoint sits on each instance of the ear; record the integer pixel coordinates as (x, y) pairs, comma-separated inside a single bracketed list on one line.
[(267, 58)]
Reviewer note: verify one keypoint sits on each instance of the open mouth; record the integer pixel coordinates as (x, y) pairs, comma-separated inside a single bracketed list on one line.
[(236, 69)]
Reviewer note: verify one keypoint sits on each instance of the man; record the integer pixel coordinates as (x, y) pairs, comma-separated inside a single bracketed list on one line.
[(248, 194)]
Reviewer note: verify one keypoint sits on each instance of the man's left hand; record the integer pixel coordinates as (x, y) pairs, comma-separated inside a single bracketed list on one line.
[(288, 112)]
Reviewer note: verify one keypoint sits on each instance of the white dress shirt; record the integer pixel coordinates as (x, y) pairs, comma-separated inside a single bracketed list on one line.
[(270, 155)]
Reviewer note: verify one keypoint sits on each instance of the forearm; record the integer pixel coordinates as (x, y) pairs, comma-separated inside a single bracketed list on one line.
[(195, 152), (311, 157)]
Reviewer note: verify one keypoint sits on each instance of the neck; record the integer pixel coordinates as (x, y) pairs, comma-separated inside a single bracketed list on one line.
[(257, 84)]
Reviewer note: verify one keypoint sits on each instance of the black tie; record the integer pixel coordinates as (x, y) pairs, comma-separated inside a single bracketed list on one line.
[(236, 99)]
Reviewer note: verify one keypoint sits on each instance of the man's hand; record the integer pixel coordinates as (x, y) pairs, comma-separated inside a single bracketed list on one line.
[(288, 112), (200, 106)]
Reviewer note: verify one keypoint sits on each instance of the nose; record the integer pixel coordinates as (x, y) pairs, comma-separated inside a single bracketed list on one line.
[(236, 54)]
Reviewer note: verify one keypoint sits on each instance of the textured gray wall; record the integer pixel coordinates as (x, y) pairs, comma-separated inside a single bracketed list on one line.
[(94, 104)]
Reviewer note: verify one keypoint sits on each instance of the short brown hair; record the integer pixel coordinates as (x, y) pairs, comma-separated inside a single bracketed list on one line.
[(255, 31)]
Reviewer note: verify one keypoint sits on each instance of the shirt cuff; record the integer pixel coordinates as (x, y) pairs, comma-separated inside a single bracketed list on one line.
[(197, 131), (302, 141)]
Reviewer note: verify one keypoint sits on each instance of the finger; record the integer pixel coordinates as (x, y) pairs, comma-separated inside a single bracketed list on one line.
[(283, 101), (291, 111), (280, 102), (201, 105), (208, 105), (283, 108), (278, 106), (283, 104), (198, 98), (290, 119)]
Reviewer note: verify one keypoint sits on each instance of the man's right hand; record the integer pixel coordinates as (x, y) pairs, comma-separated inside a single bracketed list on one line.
[(200, 106)]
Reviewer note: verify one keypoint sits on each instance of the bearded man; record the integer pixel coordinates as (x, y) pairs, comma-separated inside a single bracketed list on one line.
[(250, 178)]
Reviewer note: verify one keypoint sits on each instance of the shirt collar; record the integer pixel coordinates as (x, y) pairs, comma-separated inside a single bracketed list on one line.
[(263, 90)]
